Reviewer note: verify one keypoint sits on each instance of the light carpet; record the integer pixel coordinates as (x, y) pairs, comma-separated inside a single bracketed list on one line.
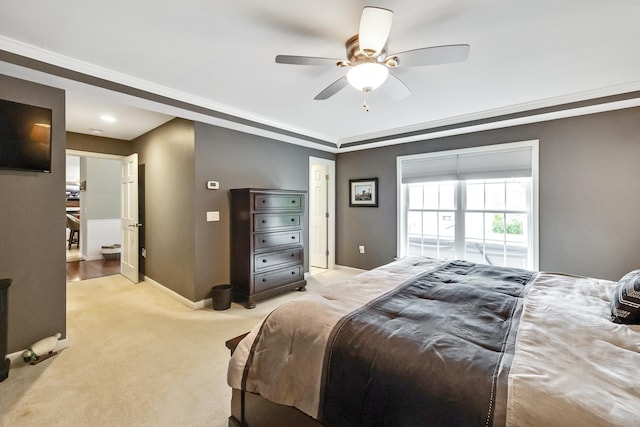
[(137, 357)]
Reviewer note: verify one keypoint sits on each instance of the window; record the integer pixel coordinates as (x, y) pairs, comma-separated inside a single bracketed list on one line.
[(431, 219), (486, 215)]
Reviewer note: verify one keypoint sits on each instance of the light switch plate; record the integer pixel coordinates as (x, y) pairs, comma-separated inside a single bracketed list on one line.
[(213, 216)]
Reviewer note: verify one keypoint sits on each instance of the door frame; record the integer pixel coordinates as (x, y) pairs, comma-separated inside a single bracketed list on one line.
[(80, 153), (331, 207)]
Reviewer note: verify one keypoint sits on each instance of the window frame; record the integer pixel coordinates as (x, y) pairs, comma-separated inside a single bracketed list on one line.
[(460, 202), (439, 210)]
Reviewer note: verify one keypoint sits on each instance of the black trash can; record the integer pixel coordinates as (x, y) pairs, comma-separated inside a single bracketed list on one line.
[(221, 295)]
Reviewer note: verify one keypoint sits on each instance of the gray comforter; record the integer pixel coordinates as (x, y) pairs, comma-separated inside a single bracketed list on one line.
[(460, 344)]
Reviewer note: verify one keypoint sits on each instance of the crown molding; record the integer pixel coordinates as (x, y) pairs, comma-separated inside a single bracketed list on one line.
[(184, 104), (590, 102), (177, 103)]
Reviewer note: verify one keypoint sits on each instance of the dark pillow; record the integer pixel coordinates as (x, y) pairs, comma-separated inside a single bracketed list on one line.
[(625, 300)]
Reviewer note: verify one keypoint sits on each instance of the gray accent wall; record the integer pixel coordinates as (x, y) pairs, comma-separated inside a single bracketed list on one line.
[(589, 193), (185, 253), (102, 197), (238, 160), (32, 230), (167, 154), (98, 144)]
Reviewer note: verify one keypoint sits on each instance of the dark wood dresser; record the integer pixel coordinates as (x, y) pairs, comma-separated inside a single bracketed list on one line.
[(267, 246)]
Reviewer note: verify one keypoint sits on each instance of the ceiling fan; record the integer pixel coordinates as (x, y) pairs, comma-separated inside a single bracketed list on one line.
[(368, 60)]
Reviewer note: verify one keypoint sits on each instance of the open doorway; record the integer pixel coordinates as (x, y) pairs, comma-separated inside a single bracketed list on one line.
[(72, 197), (321, 215), (93, 214)]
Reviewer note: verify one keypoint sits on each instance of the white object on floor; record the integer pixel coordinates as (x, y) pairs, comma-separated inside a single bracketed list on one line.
[(40, 348)]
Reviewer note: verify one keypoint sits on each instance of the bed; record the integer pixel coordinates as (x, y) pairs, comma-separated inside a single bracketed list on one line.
[(424, 341)]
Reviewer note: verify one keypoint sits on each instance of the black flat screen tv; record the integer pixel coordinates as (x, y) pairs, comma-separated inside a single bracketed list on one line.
[(25, 137)]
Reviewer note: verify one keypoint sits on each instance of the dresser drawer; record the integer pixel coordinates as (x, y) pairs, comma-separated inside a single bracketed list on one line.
[(277, 201), (271, 240), (266, 281), (269, 221), (272, 259)]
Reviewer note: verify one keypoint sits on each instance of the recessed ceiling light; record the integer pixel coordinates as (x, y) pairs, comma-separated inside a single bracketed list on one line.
[(108, 118)]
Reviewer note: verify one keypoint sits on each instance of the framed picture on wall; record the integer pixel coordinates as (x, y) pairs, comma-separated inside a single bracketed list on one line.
[(363, 192)]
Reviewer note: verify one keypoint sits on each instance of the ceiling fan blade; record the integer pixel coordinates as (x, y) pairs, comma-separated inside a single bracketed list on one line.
[(395, 88), (332, 89), (435, 55), (306, 60), (375, 24)]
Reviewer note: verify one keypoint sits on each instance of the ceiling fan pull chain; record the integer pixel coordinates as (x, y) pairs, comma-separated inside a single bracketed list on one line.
[(364, 103)]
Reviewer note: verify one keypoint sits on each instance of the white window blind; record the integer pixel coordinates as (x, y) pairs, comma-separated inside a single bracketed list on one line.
[(483, 163), (495, 192)]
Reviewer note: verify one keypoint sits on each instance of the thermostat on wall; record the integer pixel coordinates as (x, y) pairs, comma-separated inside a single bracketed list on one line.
[(213, 185)]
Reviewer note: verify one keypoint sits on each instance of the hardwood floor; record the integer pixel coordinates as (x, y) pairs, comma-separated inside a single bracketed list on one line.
[(82, 270)]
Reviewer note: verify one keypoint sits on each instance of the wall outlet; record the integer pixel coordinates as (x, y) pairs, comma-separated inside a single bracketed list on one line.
[(361, 249)]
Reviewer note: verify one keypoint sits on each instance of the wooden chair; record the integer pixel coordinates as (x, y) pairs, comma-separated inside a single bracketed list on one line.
[(73, 224)]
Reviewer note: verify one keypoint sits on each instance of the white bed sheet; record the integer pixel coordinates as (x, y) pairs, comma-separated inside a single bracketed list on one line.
[(573, 366)]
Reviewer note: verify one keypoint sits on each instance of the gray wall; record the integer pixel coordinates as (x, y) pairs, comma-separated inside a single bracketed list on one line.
[(167, 154), (238, 160), (33, 229), (589, 193), (185, 252), (98, 144), (101, 200)]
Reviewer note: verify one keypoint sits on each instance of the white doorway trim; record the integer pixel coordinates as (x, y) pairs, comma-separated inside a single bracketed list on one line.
[(331, 207), (80, 153)]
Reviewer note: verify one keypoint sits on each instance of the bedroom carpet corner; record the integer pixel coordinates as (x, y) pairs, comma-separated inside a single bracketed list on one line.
[(136, 358)]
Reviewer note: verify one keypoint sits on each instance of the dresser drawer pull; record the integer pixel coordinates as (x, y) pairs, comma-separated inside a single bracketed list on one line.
[(264, 241), (293, 237), (264, 221), (264, 260), (293, 255), (293, 220), (264, 280), (293, 273)]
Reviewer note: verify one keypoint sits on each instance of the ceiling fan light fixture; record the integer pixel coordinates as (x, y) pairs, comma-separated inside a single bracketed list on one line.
[(367, 60), (368, 76), (375, 24)]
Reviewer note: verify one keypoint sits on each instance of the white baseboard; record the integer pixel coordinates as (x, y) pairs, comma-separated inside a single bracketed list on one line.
[(352, 269), (207, 302), (197, 305), (61, 345)]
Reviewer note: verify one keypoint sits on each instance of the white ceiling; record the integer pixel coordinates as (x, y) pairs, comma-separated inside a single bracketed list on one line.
[(213, 61)]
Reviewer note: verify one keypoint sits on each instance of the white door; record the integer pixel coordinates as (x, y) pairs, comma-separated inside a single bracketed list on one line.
[(129, 218), (318, 215)]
